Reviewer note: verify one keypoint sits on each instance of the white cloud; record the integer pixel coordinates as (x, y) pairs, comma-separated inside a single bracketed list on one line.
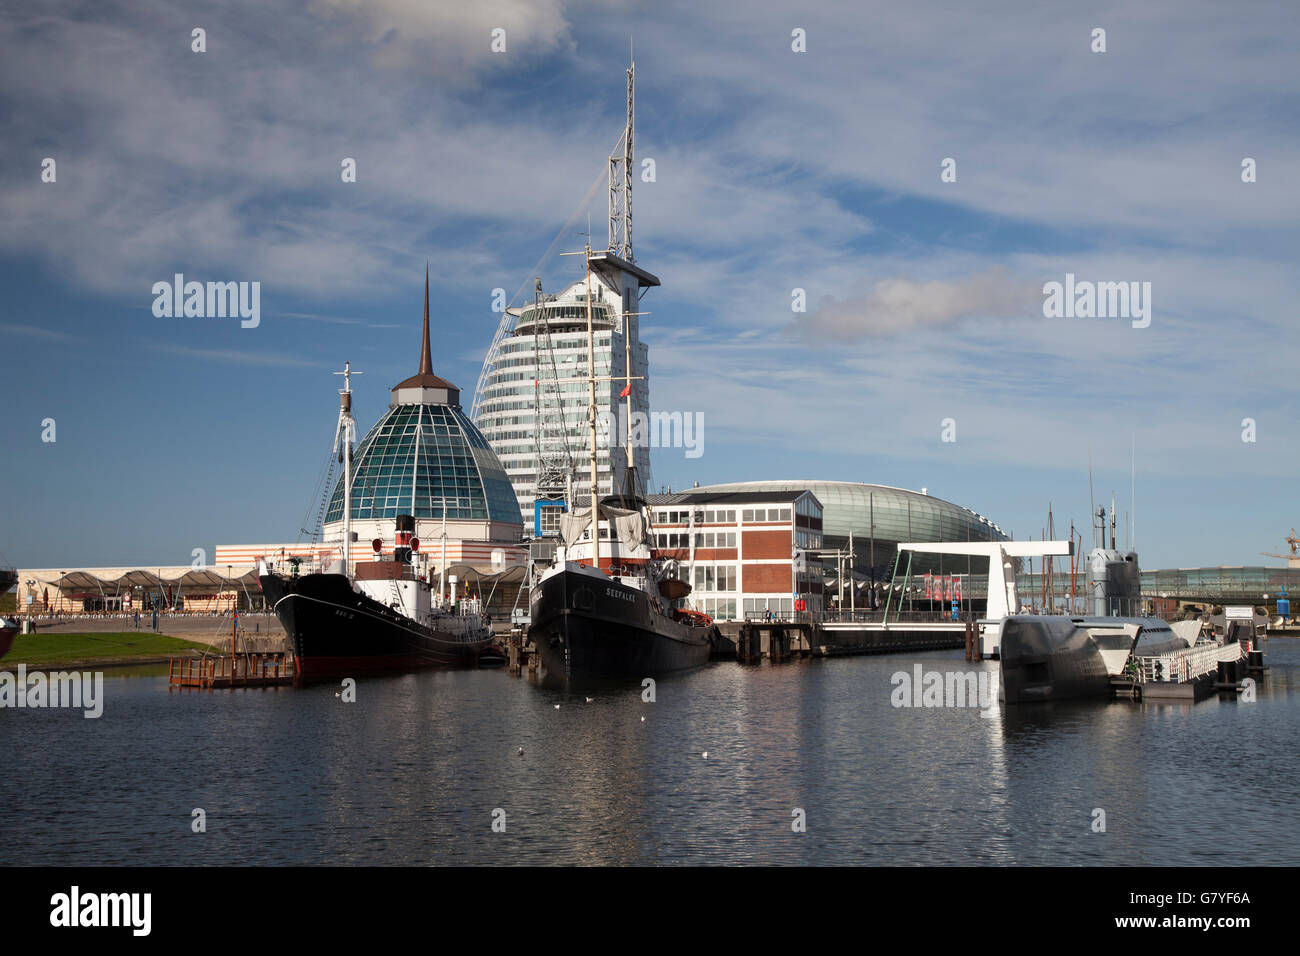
[(899, 305), (450, 40)]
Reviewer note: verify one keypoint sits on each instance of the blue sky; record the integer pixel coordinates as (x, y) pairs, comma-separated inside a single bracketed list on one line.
[(775, 170)]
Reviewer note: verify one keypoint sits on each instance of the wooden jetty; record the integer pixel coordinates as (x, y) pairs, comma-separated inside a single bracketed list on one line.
[(217, 672), (228, 671)]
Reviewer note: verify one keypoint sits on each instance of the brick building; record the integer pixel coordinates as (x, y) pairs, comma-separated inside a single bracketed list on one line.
[(743, 553)]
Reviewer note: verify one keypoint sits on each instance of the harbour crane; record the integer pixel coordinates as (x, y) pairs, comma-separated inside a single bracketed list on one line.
[(1293, 558)]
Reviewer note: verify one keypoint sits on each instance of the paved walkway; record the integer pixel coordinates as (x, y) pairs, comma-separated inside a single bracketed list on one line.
[(202, 628)]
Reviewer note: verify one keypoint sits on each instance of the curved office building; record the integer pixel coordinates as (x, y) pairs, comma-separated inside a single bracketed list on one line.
[(880, 517)]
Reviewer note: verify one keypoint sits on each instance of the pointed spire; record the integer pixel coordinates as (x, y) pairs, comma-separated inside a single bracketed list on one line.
[(426, 359), (424, 378)]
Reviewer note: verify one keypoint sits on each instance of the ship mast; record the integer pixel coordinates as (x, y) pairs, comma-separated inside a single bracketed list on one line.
[(627, 385), (345, 432), (591, 419), (622, 162)]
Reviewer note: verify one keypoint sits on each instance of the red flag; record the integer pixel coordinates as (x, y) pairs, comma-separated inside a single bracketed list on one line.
[(627, 390), (929, 591)]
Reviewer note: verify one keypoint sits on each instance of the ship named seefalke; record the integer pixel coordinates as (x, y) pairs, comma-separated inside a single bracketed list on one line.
[(605, 608), (597, 616)]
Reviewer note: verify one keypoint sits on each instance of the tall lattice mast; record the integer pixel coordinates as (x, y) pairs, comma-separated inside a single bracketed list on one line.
[(550, 431), (622, 163)]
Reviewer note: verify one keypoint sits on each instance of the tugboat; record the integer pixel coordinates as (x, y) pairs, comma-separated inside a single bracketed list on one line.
[(384, 619), (604, 608)]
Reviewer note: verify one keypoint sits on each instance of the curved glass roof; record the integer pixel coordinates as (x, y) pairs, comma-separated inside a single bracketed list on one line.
[(416, 458)]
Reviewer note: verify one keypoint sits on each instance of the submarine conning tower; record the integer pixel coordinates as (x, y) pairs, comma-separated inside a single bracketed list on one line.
[(1114, 584)]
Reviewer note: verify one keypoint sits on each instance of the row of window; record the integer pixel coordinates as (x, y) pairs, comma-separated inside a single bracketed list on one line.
[(496, 389), (781, 607), (524, 343), (722, 515), (716, 577), (552, 312), (720, 609), (710, 539)]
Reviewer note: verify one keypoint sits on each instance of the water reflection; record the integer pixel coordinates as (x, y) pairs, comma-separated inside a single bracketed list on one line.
[(414, 770)]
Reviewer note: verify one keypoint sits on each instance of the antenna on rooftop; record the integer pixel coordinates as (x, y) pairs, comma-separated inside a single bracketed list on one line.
[(622, 161), (1132, 495)]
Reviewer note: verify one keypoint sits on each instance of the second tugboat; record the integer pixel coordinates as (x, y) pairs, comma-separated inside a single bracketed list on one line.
[(385, 620)]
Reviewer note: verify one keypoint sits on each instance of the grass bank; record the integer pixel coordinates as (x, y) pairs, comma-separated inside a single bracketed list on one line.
[(48, 650)]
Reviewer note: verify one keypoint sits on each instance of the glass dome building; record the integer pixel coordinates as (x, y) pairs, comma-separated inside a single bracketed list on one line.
[(425, 458), (421, 458)]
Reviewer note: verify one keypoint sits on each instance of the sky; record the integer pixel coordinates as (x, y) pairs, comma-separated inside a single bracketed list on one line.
[(779, 174)]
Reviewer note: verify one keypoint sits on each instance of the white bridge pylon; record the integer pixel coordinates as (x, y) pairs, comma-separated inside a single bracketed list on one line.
[(1002, 597)]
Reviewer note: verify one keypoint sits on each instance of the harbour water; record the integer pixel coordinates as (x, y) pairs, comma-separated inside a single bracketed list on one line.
[(414, 770)]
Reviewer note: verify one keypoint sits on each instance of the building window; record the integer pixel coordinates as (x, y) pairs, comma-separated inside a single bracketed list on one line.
[(551, 519)]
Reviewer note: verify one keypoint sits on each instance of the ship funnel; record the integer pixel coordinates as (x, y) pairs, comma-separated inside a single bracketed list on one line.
[(405, 529)]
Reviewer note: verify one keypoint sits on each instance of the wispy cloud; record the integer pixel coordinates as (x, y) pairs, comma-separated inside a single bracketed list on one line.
[(37, 332), (235, 356), (898, 305), (333, 320)]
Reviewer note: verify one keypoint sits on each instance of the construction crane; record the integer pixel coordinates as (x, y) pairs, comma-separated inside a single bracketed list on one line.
[(1293, 558)]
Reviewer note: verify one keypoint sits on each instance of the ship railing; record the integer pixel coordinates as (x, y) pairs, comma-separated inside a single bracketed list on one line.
[(1185, 665)]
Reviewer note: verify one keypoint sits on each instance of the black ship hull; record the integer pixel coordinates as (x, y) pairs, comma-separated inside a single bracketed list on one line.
[(337, 632), (590, 627)]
